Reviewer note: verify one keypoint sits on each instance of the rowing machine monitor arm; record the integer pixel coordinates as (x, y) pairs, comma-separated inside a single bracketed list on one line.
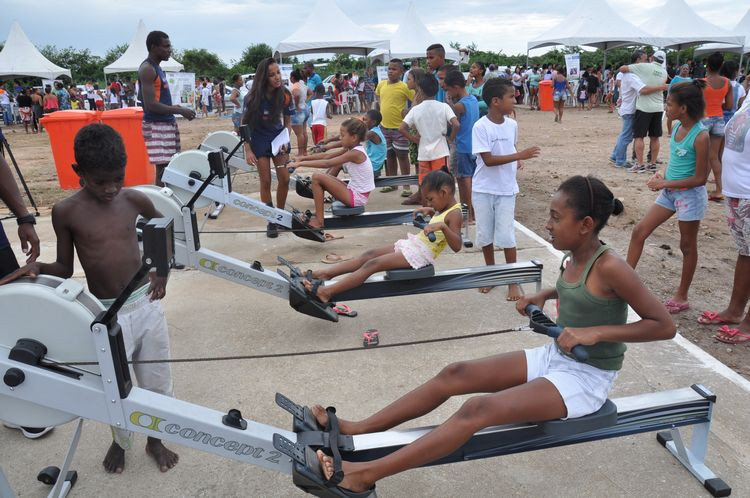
[(218, 168), (158, 253), (541, 324)]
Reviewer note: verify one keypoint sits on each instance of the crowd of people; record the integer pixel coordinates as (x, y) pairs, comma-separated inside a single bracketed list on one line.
[(454, 131)]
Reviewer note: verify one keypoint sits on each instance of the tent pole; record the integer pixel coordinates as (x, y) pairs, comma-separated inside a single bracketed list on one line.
[(604, 64), (527, 57)]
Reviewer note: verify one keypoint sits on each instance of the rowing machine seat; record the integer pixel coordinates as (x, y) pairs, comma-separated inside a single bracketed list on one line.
[(410, 273), (302, 187), (605, 416), (338, 208)]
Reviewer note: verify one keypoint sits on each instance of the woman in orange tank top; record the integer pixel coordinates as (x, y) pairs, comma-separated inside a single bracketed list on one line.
[(718, 96)]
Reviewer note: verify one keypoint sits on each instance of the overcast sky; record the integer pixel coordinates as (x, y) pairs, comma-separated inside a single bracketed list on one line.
[(228, 26)]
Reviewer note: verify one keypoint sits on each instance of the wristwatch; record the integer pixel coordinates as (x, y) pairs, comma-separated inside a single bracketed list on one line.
[(29, 218)]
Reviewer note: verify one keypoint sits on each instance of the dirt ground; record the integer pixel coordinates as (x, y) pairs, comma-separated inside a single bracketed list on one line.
[(580, 145)]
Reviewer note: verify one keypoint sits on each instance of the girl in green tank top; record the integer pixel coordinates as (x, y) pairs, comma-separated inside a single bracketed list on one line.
[(682, 188), (540, 383)]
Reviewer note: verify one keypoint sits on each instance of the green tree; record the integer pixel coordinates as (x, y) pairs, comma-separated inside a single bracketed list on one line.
[(114, 53), (253, 55), (203, 63), (82, 64)]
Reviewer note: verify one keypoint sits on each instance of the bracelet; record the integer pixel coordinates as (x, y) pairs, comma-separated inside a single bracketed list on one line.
[(29, 218)]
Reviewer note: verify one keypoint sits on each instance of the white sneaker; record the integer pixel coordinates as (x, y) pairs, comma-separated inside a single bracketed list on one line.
[(637, 168), (30, 432)]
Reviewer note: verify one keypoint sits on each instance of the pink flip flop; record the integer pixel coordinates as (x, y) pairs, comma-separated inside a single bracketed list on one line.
[(712, 318), (674, 307), (732, 336)]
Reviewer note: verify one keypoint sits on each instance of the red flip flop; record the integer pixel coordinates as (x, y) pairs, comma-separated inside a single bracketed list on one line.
[(370, 338), (674, 307), (731, 336), (712, 318), (344, 310)]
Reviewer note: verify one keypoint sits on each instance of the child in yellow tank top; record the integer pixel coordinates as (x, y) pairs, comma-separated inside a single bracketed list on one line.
[(416, 251)]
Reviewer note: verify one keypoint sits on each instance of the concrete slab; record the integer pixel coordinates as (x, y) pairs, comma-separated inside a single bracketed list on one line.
[(209, 317)]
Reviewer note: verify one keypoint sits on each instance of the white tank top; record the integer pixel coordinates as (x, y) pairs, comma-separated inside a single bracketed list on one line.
[(362, 176)]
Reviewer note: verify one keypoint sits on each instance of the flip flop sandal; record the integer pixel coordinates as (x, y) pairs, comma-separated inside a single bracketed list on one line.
[(329, 237), (406, 193), (333, 258), (716, 198), (674, 307), (387, 189), (712, 318), (344, 310), (370, 338), (731, 336)]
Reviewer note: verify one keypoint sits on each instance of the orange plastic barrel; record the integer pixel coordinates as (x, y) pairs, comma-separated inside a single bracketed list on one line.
[(127, 122), (545, 96), (62, 127)]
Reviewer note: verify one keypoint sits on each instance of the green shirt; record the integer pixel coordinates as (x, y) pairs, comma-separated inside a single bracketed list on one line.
[(579, 308), (682, 154), (651, 74)]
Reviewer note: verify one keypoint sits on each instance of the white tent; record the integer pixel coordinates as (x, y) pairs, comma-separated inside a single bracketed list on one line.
[(742, 28), (593, 23), (676, 25), (136, 53), (20, 58), (327, 29), (412, 38)]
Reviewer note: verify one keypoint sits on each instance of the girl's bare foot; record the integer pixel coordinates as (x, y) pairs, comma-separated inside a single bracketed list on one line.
[(353, 480), (322, 294), (114, 460), (485, 290), (321, 275), (321, 415)]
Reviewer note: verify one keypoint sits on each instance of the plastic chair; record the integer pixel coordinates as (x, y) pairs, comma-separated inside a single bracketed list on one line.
[(342, 103)]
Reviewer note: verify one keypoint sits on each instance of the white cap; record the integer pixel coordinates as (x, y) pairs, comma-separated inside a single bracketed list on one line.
[(660, 56)]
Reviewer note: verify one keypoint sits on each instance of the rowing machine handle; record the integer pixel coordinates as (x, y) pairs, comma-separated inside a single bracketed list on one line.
[(540, 323), (421, 222)]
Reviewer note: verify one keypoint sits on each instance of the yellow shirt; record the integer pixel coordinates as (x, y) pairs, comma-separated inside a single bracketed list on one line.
[(393, 98), (440, 243)]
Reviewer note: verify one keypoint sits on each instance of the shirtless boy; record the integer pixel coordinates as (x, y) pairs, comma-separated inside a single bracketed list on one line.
[(99, 222)]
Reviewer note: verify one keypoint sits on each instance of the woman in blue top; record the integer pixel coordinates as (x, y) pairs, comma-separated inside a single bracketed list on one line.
[(268, 111), (683, 77), (683, 187)]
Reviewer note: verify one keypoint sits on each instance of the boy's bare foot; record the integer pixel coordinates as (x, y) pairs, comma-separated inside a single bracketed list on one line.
[(352, 479), (514, 292), (313, 222), (485, 290), (322, 294), (321, 275), (114, 460), (165, 459)]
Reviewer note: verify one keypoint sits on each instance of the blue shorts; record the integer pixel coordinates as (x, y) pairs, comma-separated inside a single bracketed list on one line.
[(463, 164), (560, 95), (690, 204), (237, 119), (300, 116), (714, 125)]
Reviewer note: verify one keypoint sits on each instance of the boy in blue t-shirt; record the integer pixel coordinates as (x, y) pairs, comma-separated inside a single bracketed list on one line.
[(466, 109)]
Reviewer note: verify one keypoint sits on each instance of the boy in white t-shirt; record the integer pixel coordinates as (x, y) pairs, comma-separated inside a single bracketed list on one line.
[(319, 113), (494, 187), (431, 119), (205, 99)]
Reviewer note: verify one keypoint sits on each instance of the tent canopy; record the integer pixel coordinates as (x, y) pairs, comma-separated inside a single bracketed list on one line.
[(328, 29), (20, 58), (136, 53), (593, 23), (412, 38), (742, 29), (676, 25)]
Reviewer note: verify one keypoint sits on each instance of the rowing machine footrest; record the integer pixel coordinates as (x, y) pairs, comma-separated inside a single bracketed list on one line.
[(302, 417), (303, 230), (606, 416), (302, 186), (300, 301), (306, 472), (717, 487), (338, 208), (410, 273)]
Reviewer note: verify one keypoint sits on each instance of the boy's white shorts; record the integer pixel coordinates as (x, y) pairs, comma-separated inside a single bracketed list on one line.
[(494, 214)]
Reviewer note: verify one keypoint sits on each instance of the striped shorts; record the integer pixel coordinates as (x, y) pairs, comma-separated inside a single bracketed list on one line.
[(162, 140)]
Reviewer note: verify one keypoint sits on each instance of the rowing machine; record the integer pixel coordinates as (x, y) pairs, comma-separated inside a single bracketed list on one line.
[(42, 386)]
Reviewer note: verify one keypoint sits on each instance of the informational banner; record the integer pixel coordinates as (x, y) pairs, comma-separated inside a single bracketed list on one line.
[(573, 66), (382, 73), (182, 88), (286, 71)]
